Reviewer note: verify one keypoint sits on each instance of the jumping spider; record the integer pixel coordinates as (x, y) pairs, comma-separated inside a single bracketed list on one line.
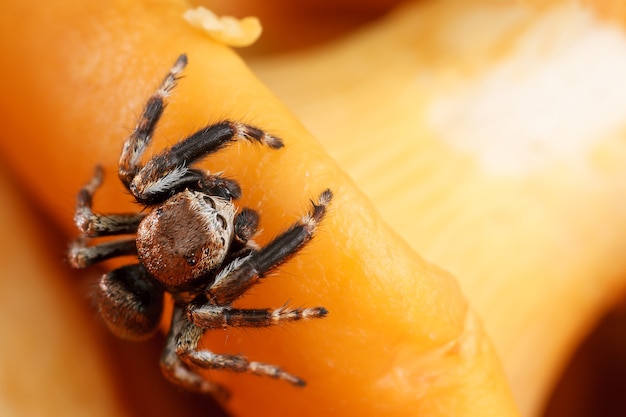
[(192, 244)]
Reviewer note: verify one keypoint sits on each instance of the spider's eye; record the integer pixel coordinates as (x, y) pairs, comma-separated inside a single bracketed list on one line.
[(209, 201), (192, 260), (222, 221)]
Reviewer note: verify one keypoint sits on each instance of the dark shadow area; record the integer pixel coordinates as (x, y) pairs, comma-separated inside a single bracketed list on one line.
[(594, 383)]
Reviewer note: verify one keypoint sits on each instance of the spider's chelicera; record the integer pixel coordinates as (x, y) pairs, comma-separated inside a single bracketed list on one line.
[(192, 243)]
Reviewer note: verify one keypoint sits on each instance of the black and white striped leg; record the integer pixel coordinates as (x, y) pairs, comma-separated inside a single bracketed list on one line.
[(135, 145), (168, 173), (96, 224), (188, 352), (178, 372), (81, 256), (242, 274), (210, 316)]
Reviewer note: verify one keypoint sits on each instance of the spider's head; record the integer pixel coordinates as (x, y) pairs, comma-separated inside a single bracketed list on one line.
[(185, 238)]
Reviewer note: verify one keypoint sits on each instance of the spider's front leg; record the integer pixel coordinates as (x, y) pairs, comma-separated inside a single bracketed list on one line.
[(241, 274), (140, 138), (169, 172)]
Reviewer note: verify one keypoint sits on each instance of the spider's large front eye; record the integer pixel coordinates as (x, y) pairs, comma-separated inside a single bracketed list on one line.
[(209, 201), (222, 221)]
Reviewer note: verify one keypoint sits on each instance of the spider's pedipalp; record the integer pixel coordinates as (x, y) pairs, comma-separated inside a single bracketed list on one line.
[(214, 184), (246, 225)]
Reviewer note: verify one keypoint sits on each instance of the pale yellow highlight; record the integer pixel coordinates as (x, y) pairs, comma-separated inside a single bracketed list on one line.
[(551, 101), (225, 29)]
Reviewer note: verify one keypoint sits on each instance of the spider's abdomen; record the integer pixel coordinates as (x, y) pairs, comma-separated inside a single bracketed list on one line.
[(185, 238)]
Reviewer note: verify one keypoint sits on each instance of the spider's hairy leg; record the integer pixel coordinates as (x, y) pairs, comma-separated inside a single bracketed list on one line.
[(94, 224), (187, 350), (130, 302), (135, 145), (209, 316), (177, 372), (169, 172), (81, 256), (236, 278)]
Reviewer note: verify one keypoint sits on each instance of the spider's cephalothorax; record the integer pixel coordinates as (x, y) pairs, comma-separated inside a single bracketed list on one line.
[(192, 243), (178, 256)]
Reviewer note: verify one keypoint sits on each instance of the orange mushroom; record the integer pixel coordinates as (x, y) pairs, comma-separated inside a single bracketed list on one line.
[(400, 338)]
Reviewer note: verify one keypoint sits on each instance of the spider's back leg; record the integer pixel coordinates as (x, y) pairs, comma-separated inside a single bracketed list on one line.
[(182, 356), (178, 372)]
